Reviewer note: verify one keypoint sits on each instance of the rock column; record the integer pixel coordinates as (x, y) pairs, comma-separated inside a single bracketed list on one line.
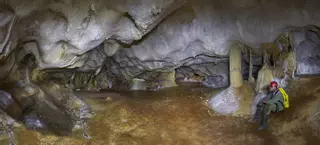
[(236, 79)]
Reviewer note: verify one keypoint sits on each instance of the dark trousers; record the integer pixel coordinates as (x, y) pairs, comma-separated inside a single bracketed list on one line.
[(262, 113)]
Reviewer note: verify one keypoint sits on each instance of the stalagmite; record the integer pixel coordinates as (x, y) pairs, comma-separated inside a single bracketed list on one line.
[(265, 75), (235, 67)]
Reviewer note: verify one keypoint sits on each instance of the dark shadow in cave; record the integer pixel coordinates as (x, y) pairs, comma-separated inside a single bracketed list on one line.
[(257, 63), (36, 112)]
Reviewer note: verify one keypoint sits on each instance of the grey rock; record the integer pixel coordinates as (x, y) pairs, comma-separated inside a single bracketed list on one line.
[(6, 128), (95, 59), (206, 28), (5, 100), (225, 102), (312, 36), (297, 38), (214, 81), (66, 32), (307, 53), (34, 123)]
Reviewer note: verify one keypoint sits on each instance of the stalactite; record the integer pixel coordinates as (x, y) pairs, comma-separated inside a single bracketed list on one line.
[(251, 79)]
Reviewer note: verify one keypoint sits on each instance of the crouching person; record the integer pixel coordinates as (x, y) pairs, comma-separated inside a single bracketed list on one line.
[(274, 102)]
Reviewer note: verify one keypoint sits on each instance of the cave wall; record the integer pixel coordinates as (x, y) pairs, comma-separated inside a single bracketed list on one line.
[(208, 28), (307, 51), (133, 39), (137, 38), (65, 30), (150, 35), (140, 38)]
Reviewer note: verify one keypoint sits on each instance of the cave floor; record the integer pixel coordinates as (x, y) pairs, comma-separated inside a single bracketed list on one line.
[(176, 116)]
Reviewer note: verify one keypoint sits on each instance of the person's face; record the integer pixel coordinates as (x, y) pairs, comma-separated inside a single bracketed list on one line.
[(272, 88)]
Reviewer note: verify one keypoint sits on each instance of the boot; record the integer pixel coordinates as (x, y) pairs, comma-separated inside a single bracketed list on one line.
[(255, 118), (264, 122)]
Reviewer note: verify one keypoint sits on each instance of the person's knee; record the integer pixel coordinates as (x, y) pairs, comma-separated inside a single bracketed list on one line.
[(267, 109)]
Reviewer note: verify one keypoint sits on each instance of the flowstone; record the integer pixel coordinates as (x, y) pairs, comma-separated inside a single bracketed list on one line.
[(226, 102), (232, 101)]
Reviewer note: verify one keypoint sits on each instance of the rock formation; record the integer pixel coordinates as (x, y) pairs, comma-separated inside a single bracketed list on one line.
[(48, 48)]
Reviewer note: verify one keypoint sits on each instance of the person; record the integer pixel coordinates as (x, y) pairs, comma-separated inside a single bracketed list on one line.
[(272, 103)]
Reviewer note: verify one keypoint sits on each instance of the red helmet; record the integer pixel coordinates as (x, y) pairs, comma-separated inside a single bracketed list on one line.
[(274, 84)]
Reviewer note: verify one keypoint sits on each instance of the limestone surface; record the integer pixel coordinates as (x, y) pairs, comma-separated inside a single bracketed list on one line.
[(151, 35)]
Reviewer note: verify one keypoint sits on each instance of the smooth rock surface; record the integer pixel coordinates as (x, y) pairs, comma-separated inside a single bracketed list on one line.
[(307, 52), (152, 35), (226, 102), (206, 28)]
